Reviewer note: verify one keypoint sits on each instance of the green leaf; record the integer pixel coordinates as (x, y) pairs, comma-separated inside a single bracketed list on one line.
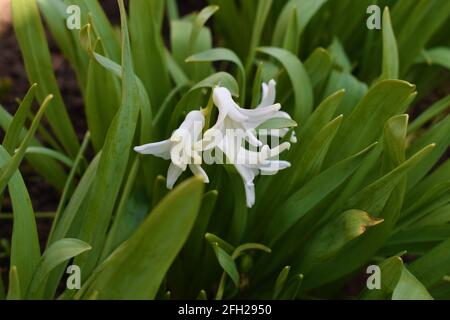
[(100, 108), (362, 126), (227, 263), (291, 40), (50, 153), (217, 54), (148, 48), (12, 135), (262, 12), (431, 233), (277, 123), (30, 35), (437, 56), (330, 239), (299, 79), (14, 291), (438, 135), (280, 282), (305, 9), (318, 66), (57, 253), (433, 266), (76, 202), (354, 90), (438, 176), (195, 242), (222, 54), (120, 229), (172, 10), (220, 78), (70, 220), (340, 57), (312, 159), (249, 246), (433, 198), (202, 295), (390, 52), (180, 35), (319, 118), (48, 168), (142, 99), (415, 28), (69, 183), (373, 199), (409, 288), (200, 20), (390, 272), (439, 216), (431, 112), (211, 238), (25, 251), (292, 288), (136, 268), (311, 194), (102, 27), (54, 13), (114, 159), (176, 72), (8, 170)]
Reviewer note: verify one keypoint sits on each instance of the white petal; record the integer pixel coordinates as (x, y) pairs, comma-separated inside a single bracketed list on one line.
[(250, 194), (274, 166), (252, 139), (263, 113), (279, 149), (198, 171), (223, 100), (160, 149), (282, 114), (293, 138), (177, 155), (247, 174), (249, 158), (268, 94), (173, 174)]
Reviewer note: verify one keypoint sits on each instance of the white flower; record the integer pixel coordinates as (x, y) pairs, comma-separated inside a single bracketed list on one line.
[(182, 148), (251, 163), (230, 141), (231, 116), (267, 99)]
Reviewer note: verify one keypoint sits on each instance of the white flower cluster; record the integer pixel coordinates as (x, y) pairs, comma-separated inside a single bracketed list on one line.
[(235, 127)]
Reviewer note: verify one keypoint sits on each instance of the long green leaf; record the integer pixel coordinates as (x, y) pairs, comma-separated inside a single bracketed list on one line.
[(299, 79), (30, 34), (114, 159), (25, 251), (57, 253), (311, 194), (8, 170), (12, 135), (390, 51), (136, 269)]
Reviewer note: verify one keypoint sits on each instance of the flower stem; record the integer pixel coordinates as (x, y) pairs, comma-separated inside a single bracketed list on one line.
[(207, 111)]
